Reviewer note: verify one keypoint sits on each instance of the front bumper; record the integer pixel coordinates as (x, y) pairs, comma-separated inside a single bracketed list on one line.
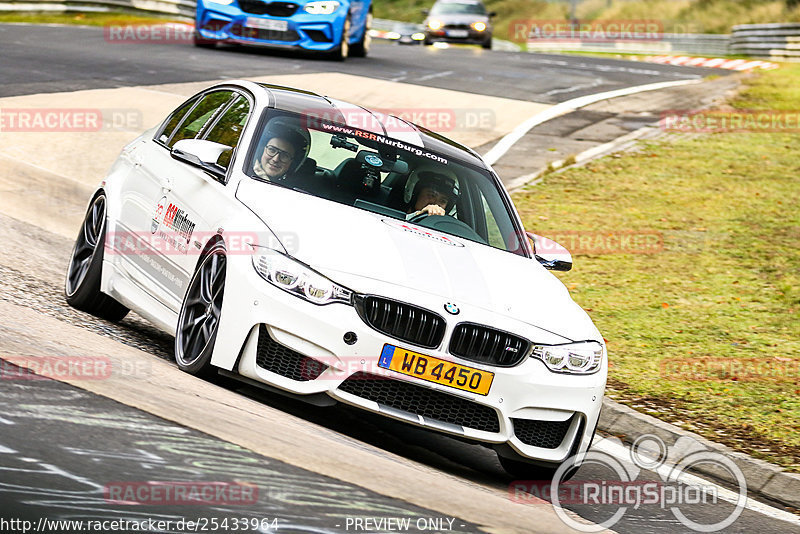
[(445, 35), (227, 24), (275, 338)]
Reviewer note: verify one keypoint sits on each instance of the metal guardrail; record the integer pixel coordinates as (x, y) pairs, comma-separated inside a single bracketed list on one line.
[(178, 9), (773, 41), (668, 43)]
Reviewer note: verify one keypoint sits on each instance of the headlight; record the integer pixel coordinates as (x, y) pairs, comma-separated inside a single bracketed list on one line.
[(299, 280), (434, 24), (325, 7), (393, 35), (419, 36), (577, 358), (478, 26)]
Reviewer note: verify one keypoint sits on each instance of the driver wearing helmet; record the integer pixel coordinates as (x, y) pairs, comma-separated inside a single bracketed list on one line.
[(434, 194), (285, 146)]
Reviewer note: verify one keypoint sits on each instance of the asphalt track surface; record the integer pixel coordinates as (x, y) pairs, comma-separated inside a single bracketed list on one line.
[(61, 446), (37, 59)]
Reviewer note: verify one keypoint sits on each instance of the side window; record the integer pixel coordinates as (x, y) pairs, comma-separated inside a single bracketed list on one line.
[(229, 127), (175, 119), (202, 115)]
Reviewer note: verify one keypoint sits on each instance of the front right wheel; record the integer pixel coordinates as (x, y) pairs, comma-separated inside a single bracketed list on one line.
[(341, 52), (361, 48), (200, 314)]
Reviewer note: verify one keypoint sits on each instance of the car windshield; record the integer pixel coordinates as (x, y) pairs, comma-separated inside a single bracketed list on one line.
[(384, 175), (455, 8)]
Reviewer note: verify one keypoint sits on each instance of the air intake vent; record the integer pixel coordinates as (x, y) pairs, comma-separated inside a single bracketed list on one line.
[(273, 9), (282, 360), (544, 434), (420, 400)]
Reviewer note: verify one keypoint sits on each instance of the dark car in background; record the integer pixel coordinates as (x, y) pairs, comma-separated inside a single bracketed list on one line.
[(459, 21), (406, 33)]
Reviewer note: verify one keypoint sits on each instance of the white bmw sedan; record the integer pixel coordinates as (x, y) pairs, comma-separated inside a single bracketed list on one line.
[(312, 247)]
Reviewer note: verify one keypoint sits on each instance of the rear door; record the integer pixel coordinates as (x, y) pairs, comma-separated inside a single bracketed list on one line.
[(155, 211)]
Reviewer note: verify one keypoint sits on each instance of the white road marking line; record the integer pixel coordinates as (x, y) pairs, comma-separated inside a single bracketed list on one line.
[(398, 78), (434, 75), (594, 83), (623, 454), (503, 146), (6, 450), (6, 422)]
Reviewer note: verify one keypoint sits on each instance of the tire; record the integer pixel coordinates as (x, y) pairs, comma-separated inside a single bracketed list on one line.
[(487, 44), (82, 284), (200, 313), (361, 48), (522, 470), (340, 52)]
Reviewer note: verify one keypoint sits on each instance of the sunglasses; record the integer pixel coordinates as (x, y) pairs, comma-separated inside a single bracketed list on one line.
[(283, 155)]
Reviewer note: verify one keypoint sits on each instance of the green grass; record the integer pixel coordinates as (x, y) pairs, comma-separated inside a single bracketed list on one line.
[(84, 19), (726, 285)]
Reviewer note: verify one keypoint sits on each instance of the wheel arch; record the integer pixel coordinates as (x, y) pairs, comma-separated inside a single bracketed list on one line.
[(211, 243)]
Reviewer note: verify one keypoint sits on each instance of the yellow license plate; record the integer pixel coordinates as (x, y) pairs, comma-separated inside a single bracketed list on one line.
[(435, 370)]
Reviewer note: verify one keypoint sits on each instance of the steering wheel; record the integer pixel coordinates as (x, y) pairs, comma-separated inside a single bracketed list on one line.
[(447, 225), (418, 217)]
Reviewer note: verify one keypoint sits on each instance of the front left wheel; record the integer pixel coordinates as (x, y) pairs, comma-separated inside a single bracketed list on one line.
[(82, 285), (200, 313)]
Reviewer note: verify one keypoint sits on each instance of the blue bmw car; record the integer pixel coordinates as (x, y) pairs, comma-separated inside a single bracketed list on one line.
[(336, 28)]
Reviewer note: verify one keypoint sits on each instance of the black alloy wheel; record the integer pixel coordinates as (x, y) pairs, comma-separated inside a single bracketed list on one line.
[(200, 314), (82, 284)]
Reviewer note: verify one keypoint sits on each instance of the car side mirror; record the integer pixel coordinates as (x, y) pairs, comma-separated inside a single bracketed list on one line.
[(492, 14), (426, 12), (201, 153), (550, 254)]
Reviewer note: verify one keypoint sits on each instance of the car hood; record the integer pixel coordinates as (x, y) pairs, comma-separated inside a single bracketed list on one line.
[(349, 244)]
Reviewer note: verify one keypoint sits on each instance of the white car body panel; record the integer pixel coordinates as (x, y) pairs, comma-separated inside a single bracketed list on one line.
[(368, 253)]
